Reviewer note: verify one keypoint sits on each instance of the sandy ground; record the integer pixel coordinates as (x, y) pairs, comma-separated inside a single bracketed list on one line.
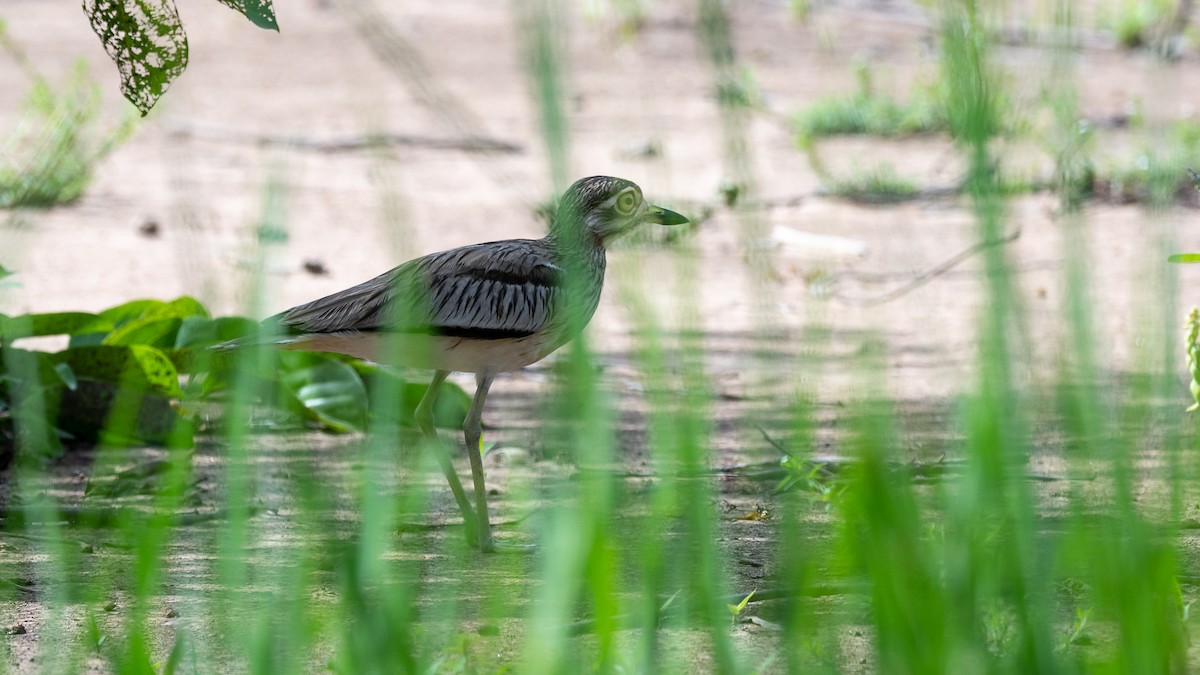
[(192, 169)]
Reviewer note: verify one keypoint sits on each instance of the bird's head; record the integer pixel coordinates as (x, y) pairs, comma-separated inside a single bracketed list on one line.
[(600, 208)]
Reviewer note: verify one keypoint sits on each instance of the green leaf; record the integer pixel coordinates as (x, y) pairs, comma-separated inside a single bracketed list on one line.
[(157, 325), (153, 332), (669, 601), (5, 272), (329, 391), (117, 317), (260, 12), (449, 410), (126, 312), (137, 367), (182, 307), (147, 42), (66, 375), (196, 334), (1184, 258), (86, 340), (736, 610), (198, 331), (60, 323)]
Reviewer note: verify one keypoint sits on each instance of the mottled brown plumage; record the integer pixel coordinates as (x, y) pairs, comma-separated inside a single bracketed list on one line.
[(485, 309)]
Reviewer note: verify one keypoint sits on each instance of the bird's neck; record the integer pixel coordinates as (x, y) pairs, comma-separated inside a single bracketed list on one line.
[(584, 249), (584, 263)]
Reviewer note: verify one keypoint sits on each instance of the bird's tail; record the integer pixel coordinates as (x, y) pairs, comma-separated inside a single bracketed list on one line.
[(269, 333), (262, 340)]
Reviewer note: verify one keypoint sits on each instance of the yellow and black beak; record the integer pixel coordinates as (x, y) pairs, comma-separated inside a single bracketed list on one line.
[(657, 214)]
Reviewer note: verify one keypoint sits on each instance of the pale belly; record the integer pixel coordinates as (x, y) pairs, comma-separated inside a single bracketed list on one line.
[(433, 352)]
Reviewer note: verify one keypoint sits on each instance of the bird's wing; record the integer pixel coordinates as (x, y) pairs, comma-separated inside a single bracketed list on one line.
[(496, 290)]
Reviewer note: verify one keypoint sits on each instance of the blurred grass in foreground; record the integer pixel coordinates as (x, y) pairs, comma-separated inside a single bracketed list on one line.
[(268, 553)]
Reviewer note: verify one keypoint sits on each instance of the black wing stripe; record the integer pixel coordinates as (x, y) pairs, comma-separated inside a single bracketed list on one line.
[(488, 291)]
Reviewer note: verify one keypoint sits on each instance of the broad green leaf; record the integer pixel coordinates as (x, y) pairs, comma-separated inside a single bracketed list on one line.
[(137, 367), (330, 391), (1184, 258), (145, 331), (118, 317), (147, 42), (260, 12), (449, 410), (61, 323), (5, 272), (196, 334), (181, 307), (197, 331), (158, 324), (86, 340), (126, 312)]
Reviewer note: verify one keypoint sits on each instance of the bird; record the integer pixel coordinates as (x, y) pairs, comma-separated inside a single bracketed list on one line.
[(486, 309)]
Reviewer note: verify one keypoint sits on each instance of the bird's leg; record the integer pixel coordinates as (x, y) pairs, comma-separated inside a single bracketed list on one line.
[(472, 431), (424, 416)]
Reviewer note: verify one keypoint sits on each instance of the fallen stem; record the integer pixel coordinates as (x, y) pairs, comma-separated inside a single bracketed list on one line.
[(930, 274)]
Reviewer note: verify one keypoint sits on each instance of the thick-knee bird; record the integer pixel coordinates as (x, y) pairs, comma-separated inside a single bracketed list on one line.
[(484, 309)]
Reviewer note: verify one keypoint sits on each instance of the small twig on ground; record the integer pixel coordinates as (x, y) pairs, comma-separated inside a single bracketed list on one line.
[(773, 442), (351, 143), (410, 526), (28, 590), (763, 623), (929, 275)]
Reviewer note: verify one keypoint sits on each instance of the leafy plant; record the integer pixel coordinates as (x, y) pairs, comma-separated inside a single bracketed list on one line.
[(1134, 22), (119, 377), (739, 89), (1156, 176), (868, 112), (879, 184), (50, 157), (736, 610), (1079, 633)]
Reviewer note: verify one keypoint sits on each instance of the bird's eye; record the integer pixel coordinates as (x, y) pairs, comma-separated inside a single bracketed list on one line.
[(626, 203)]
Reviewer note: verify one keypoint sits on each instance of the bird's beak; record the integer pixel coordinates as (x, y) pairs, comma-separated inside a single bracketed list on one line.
[(662, 216)]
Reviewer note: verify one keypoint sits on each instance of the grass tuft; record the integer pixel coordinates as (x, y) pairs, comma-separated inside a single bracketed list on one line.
[(870, 113), (879, 184), (49, 159)]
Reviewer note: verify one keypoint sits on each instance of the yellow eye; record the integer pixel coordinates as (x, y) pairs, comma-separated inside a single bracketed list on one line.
[(626, 203)]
